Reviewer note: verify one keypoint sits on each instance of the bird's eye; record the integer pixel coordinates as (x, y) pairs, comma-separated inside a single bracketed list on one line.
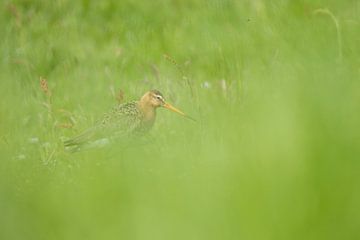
[(159, 97)]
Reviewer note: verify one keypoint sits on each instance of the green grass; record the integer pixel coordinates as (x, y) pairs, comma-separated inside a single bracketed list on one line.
[(275, 151)]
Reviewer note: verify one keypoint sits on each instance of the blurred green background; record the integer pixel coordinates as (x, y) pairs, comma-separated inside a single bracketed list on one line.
[(274, 85)]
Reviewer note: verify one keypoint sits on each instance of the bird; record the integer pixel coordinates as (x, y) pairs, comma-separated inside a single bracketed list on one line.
[(127, 120)]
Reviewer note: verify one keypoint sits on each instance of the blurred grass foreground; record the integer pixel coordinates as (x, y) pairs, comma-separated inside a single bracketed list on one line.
[(274, 85)]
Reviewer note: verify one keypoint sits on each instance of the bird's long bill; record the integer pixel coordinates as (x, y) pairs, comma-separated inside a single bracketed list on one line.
[(174, 109)]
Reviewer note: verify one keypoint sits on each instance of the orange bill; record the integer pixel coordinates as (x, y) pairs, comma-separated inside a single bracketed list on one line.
[(172, 108)]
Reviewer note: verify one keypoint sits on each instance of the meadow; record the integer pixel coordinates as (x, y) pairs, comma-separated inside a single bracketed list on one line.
[(275, 89)]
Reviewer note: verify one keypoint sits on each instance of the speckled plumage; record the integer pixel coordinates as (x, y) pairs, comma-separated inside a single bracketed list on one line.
[(123, 120)]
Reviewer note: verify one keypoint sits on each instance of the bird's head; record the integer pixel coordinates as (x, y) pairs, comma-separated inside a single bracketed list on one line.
[(155, 99)]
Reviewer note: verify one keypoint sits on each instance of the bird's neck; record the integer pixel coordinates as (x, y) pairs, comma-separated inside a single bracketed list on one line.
[(148, 112)]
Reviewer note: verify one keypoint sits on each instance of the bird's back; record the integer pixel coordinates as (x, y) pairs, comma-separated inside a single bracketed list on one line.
[(121, 121)]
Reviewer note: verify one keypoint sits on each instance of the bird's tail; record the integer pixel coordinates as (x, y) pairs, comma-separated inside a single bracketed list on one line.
[(85, 140), (80, 139)]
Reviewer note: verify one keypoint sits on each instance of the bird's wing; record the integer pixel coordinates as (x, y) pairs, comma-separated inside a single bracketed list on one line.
[(119, 122)]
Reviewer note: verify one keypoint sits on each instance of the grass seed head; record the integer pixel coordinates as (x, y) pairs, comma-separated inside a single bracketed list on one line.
[(44, 86)]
